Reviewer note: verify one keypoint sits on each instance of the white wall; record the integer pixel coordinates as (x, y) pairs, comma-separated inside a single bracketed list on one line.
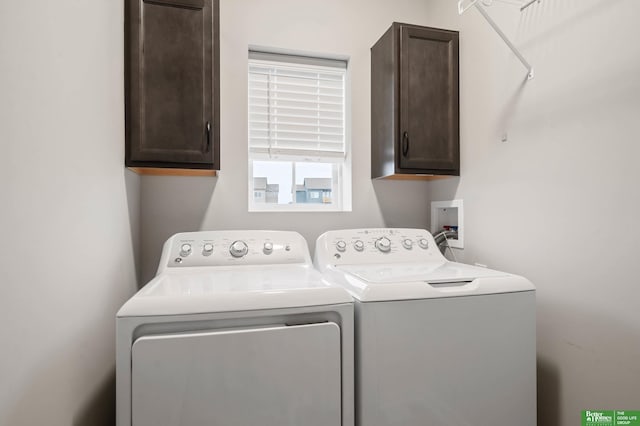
[(559, 201), (68, 211), (331, 27)]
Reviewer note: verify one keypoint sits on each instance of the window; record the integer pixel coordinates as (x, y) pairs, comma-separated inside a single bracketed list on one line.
[(298, 144)]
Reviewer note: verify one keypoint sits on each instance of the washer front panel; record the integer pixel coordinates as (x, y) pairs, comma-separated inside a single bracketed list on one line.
[(445, 362)]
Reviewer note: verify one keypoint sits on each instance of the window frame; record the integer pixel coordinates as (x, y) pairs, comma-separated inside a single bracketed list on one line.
[(341, 191)]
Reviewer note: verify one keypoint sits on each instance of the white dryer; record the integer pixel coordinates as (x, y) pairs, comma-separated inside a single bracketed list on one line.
[(438, 343), (236, 329)]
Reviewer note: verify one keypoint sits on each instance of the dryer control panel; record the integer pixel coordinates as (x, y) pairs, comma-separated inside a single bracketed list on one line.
[(226, 248), (376, 245)]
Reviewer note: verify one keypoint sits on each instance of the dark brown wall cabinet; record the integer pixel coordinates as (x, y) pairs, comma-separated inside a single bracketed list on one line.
[(172, 84), (414, 103)]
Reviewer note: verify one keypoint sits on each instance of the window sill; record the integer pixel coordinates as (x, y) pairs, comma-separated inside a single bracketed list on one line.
[(296, 208)]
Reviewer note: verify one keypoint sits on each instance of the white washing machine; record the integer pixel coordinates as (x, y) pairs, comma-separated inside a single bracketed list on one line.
[(236, 329), (438, 343)]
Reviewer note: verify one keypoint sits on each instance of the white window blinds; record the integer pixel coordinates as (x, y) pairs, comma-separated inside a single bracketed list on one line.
[(296, 108)]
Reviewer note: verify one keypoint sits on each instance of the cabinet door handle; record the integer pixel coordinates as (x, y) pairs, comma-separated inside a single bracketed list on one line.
[(208, 137), (405, 144)]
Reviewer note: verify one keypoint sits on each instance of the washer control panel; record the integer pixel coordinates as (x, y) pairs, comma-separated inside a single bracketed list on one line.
[(221, 248), (377, 245)]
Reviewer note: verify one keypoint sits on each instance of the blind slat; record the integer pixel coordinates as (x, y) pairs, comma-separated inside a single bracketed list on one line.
[(264, 93), (298, 154), (337, 113), (283, 140), (265, 117), (273, 101), (288, 124), (279, 73), (265, 82)]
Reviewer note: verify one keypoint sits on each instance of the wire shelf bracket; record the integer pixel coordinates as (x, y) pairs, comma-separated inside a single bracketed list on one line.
[(464, 5)]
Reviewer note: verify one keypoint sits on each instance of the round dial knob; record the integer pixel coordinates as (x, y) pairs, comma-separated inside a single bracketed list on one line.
[(407, 243), (341, 245), (238, 249), (185, 250), (207, 249), (383, 244), (358, 245), (267, 248), (424, 243)]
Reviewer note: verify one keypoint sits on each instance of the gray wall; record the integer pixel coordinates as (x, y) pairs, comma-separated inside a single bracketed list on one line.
[(559, 201), (172, 204), (69, 212)]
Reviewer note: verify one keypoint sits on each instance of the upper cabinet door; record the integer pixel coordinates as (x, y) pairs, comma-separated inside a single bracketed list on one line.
[(172, 83), (429, 111)]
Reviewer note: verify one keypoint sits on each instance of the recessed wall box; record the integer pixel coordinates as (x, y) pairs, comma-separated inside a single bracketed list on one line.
[(448, 215)]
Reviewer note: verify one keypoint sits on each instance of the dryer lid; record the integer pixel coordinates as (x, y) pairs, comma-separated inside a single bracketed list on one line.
[(234, 289)]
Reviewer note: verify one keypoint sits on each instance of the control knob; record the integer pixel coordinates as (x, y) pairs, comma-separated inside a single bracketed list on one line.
[(358, 245), (383, 244), (341, 245), (238, 248), (185, 250), (424, 243), (207, 249), (267, 248), (407, 243)]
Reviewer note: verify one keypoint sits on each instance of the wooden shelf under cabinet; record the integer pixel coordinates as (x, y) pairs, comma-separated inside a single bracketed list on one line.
[(157, 171)]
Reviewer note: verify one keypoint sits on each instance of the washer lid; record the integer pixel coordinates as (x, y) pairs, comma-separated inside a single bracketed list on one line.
[(234, 289), (425, 280), (436, 272)]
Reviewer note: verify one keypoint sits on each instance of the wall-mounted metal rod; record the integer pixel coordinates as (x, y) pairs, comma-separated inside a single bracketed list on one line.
[(529, 3), (504, 37), (462, 8)]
